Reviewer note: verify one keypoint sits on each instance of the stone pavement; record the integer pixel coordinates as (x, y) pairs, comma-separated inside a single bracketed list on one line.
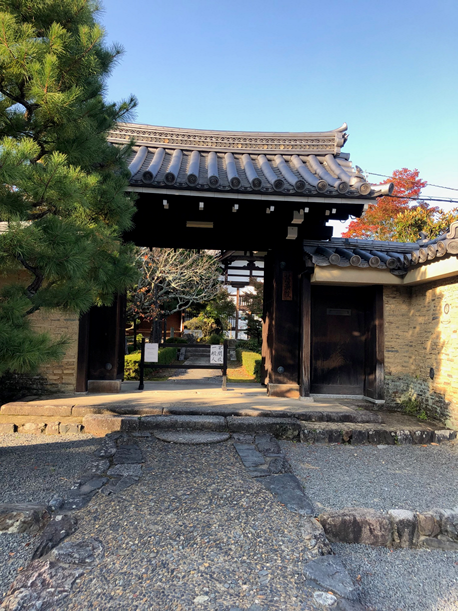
[(185, 527)]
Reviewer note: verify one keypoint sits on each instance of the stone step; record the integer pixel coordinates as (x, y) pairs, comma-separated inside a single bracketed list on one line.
[(281, 427), (306, 414)]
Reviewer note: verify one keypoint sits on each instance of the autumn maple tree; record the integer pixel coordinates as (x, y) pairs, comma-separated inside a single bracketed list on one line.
[(379, 220)]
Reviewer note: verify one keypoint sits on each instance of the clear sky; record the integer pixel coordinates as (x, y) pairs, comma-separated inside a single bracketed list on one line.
[(389, 69)]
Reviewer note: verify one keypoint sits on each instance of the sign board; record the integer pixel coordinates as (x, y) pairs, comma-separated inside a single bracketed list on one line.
[(217, 355), (151, 353)]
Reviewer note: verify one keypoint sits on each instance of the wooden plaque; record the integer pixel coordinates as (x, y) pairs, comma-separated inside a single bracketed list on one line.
[(287, 286)]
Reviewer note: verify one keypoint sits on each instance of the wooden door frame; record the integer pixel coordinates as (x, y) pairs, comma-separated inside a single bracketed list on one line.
[(377, 348)]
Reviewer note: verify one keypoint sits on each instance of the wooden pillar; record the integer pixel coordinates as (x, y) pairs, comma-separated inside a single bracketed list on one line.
[(83, 354), (379, 345), (305, 334), (374, 386), (282, 322)]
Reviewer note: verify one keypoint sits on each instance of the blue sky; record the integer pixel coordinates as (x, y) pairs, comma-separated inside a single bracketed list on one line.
[(389, 69)]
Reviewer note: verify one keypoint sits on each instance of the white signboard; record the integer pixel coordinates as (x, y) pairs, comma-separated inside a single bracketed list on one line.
[(216, 355), (151, 353)]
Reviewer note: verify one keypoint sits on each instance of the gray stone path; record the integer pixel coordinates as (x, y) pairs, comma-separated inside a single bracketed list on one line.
[(196, 532), (213, 376)]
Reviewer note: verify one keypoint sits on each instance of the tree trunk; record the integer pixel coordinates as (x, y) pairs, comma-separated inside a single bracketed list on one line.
[(156, 331)]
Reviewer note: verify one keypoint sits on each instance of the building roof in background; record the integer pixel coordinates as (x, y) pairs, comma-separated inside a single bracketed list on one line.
[(297, 163), (397, 257)]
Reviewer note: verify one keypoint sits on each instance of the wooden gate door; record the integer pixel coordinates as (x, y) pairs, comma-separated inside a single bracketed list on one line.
[(339, 332)]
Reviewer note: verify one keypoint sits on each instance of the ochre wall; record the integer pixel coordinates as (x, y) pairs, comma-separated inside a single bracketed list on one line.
[(61, 375), (421, 332)]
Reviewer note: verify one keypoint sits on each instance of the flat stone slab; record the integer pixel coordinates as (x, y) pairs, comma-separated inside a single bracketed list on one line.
[(126, 470), (329, 573), (288, 490), (128, 454), (249, 455), (191, 437), (190, 423)]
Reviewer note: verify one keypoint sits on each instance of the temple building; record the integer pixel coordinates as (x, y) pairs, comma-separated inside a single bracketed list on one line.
[(341, 317)]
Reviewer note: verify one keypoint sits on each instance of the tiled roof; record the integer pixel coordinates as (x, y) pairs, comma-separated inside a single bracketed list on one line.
[(305, 163), (397, 257)]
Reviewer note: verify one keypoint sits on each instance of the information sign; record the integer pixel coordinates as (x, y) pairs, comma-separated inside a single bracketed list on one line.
[(151, 353), (217, 355)]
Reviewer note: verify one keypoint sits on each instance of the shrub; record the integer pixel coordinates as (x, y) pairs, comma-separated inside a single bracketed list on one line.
[(215, 338), (132, 362), (176, 340), (250, 345), (251, 361)]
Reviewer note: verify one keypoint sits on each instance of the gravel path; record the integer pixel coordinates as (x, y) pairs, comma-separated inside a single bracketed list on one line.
[(32, 469), (35, 467), (196, 532), (393, 477), (403, 580)]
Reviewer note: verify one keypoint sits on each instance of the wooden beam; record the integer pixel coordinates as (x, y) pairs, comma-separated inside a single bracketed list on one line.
[(305, 335)]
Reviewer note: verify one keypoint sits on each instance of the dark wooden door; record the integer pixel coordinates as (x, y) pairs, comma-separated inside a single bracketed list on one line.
[(339, 331)]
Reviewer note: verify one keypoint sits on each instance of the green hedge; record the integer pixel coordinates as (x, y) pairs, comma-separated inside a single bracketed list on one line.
[(132, 362), (251, 361)]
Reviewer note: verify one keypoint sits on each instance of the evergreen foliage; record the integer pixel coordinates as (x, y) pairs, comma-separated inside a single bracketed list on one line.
[(62, 199)]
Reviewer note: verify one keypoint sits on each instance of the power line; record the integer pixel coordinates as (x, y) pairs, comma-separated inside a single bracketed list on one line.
[(411, 180), (452, 200)]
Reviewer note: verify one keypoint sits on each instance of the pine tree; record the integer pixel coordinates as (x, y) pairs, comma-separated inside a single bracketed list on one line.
[(63, 205)]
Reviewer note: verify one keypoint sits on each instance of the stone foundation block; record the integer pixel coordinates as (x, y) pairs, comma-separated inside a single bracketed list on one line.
[(422, 437), (187, 423), (357, 525), (282, 428), (6, 428), (440, 543), (429, 524), (291, 391), (70, 428), (404, 438), (24, 408), (99, 425), (23, 517), (359, 436), (380, 437), (445, 435), (32, 428), (449, 524), (104, 386), (52, 428), (405, 530)]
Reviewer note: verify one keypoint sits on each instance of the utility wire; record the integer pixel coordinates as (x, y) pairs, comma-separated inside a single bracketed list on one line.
[(411, 180)]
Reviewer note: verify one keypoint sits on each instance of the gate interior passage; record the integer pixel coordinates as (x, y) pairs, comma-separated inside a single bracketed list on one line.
[(261, 194), (217, 361)]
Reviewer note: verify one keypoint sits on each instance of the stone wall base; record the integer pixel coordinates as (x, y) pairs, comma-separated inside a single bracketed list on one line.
[(398, 528)]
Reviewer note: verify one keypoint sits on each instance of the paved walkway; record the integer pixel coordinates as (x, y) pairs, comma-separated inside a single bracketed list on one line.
[(213, 376)]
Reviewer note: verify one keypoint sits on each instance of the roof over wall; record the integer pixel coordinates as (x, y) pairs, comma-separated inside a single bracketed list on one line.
[(305, 163), (397, 257)]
